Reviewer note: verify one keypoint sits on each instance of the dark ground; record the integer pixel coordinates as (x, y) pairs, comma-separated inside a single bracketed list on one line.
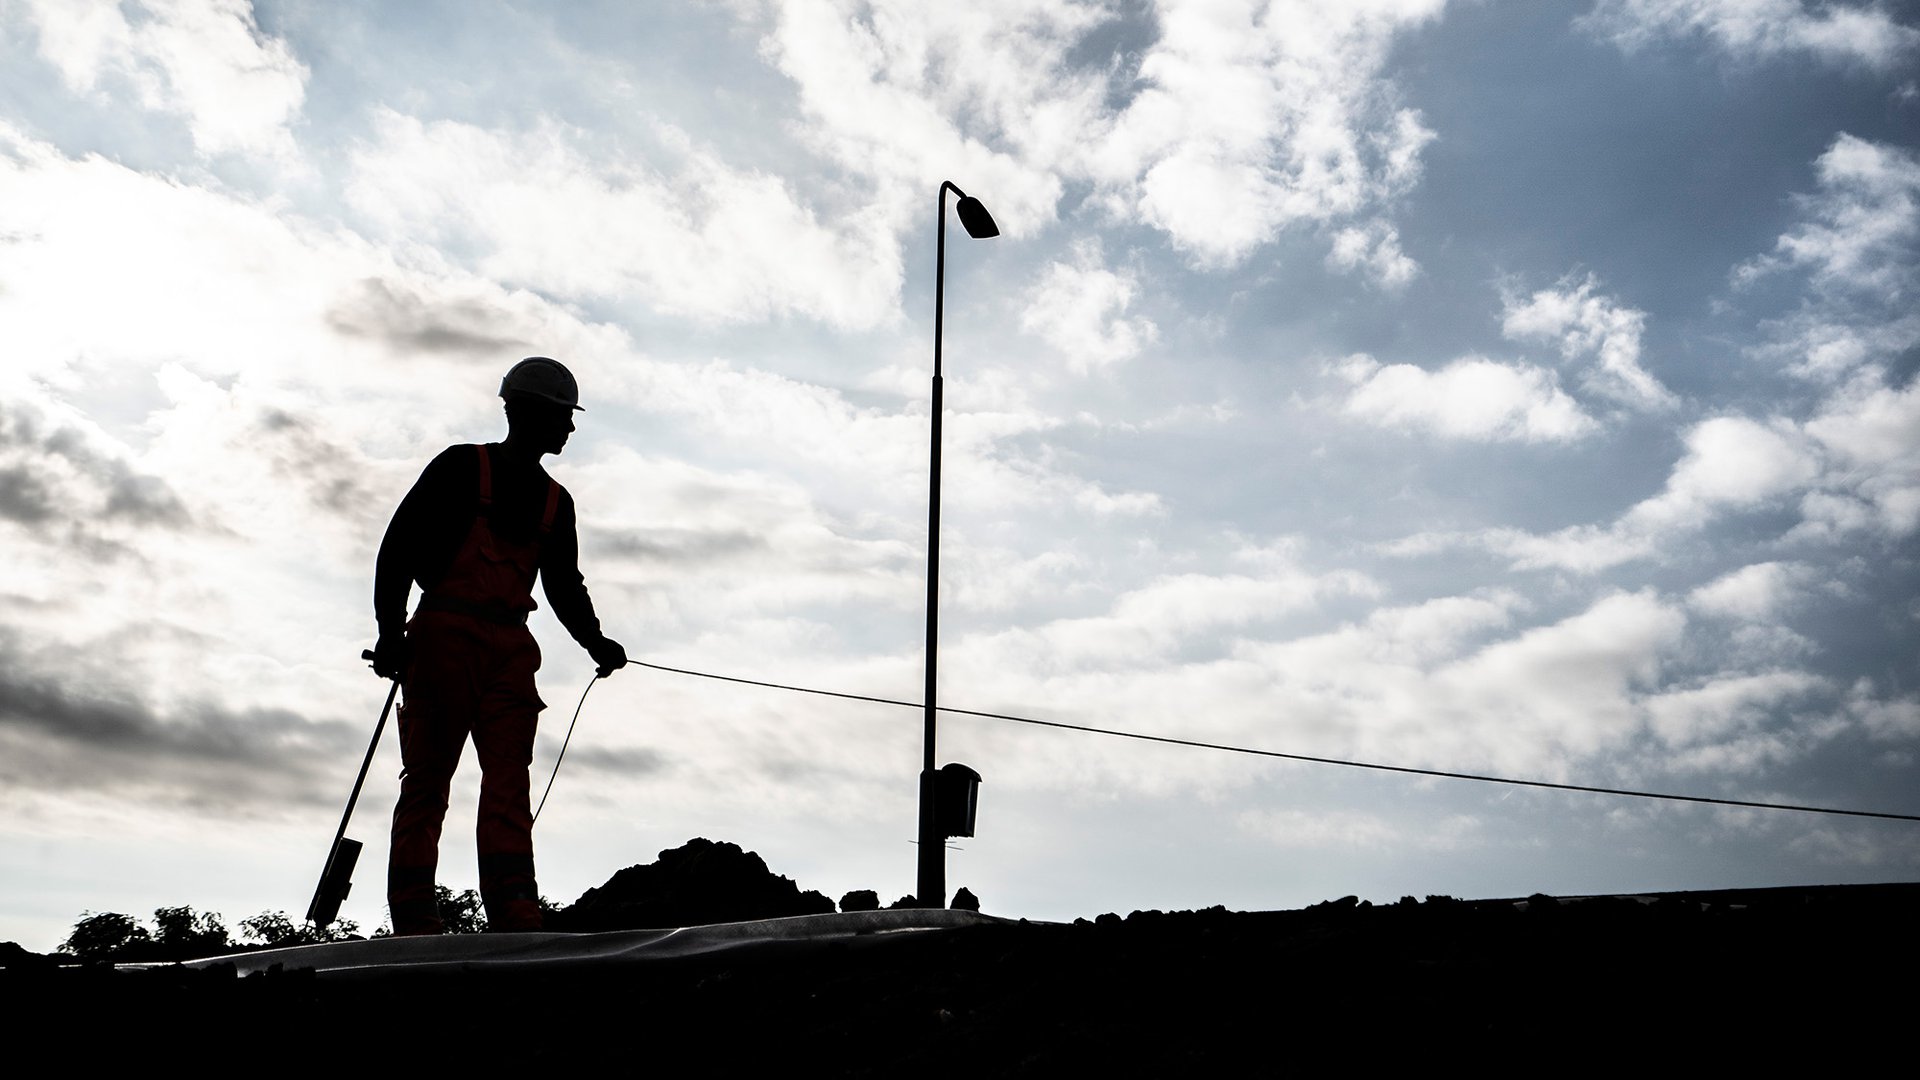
[(1696, 981)]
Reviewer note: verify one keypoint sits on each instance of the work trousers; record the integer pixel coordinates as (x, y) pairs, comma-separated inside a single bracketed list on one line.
[(466, 677)]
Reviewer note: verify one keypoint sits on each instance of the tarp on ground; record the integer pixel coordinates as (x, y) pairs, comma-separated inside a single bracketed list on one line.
[(508, 952)]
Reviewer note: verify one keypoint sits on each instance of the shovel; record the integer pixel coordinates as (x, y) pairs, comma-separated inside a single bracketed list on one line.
[(337, 879)]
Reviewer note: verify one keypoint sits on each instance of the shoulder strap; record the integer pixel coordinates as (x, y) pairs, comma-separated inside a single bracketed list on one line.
[(486, 478), (553, 507)]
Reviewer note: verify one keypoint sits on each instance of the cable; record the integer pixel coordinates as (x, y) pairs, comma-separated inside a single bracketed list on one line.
[(1276, 753), (551, 777)]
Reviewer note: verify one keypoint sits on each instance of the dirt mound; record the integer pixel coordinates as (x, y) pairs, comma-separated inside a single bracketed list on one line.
[(697, 883)]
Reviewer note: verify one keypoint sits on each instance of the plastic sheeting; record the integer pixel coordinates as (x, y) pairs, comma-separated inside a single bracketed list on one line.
[(507, 952)]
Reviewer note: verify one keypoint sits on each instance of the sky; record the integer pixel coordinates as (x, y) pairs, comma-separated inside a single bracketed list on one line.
[(1502, 387)]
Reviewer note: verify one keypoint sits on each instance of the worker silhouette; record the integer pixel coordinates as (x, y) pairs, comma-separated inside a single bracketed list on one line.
[(478, 526)]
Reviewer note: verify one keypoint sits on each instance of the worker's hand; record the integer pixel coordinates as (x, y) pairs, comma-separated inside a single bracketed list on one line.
[(390, 656), (608, 656)]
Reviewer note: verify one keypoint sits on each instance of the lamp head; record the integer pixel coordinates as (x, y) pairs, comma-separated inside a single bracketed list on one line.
[(979, 224)]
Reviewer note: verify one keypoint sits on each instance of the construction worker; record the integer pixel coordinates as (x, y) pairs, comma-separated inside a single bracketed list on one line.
[(478, 526)]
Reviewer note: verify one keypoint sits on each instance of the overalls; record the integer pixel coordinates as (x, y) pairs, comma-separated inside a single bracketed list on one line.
[(471, 673)]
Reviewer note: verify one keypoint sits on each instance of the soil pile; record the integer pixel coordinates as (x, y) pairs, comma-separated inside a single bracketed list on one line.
[(696, 884)]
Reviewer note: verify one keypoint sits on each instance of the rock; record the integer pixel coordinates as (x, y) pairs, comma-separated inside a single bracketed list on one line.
[(964, 900)]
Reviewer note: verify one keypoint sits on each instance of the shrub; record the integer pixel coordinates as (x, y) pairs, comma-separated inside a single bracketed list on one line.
[(103, 935)]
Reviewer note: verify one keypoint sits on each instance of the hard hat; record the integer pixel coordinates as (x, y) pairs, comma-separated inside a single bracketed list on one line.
[(545, 378)]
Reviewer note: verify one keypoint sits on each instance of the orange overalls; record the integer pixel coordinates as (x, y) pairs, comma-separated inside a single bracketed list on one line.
[(471, 667)]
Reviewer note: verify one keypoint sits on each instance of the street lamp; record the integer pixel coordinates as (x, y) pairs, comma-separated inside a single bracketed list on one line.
[(931, 889)]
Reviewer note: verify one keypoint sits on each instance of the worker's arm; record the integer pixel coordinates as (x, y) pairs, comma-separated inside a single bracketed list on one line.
[(414, 548), (566, 590)]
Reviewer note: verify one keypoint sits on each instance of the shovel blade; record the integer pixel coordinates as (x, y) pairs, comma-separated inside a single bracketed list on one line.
[(335, 883)]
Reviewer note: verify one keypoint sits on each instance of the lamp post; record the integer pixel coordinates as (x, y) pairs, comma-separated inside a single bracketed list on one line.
[(931, 887)]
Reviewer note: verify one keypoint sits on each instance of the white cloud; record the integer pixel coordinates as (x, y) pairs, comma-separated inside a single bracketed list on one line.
[(1894, 719), (1423, 685), (1442, 684), (1248, 117), (1470, 398), (1158, 618), (1848, 33), (710, 548), (1858, 243), (1855, 467), (1861, 228), (1582, 549), (706, 240), (1581, 323), (1080, 309), (1253, 118), (908, 94), (1871, 434), (1568, 686), (1376, 249), (1827, 342), (1718, 722), (1754, 593), (206, 60), (1732, 462)]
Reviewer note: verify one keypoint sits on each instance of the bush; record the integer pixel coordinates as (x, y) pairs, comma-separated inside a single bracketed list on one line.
[(274, 930), (860, 900), (186, 935), (462, 913), (103, 935)]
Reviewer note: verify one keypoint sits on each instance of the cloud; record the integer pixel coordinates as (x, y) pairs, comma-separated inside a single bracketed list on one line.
[(64, 481), (1375, 248), (290, 428), (1581, 323), (1250, 119), (1567, 686), (627, 763), (1583, 549), (881, 449), (672, 544), (1760, 29), (1237, 121), (231, 286), (1446, 683), (697, 238), (1871, 436), (1722, 708), (1731, 463), (1858, 244), (1827, 342), (1347, 831), (1855, 468), (1754, 593), (411, 320), (1079, 308), (1860, 229), (1160, 617), (239, 89), (1449, 683), (1886, 719), (1470, 398), (714, 547), (101, 734)]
